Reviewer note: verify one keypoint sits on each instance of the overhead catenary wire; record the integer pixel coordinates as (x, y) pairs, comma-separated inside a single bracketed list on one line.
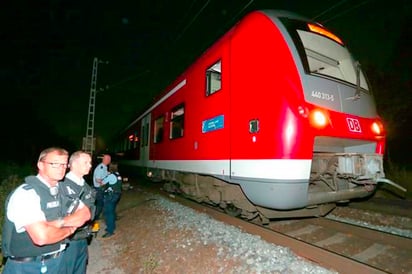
[(180, 35), (159, 56), (204, 6), (233, 18), (124, 80), (337, 14), (174, 42), (239, 12), (328, 9), (346, 11)]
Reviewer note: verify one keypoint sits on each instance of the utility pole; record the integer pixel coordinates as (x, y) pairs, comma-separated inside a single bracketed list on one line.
[(89, 142)]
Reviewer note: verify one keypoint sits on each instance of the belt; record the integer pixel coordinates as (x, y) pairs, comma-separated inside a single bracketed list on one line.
[(37, 258), (81, 234)]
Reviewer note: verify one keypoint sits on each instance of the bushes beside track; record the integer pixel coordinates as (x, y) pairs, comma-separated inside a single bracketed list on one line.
[(11, 176)]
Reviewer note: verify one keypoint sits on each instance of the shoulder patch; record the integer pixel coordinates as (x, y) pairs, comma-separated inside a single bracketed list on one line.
[(27, 187)]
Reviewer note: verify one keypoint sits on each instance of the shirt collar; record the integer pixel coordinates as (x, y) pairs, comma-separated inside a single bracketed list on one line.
[(71, 176), (44, 181)]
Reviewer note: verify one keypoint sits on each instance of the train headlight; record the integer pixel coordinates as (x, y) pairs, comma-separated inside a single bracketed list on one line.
[(318, 118), (377, 128)]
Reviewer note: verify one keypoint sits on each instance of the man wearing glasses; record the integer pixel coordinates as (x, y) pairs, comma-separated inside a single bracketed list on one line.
[(35, 228)]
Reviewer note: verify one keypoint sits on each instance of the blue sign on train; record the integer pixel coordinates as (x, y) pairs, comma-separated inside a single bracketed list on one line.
[(214, 123)]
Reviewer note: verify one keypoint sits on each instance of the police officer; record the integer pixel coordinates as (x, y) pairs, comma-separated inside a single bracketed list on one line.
[(100, 172), (76, 192), (112, 191), (34, 228)]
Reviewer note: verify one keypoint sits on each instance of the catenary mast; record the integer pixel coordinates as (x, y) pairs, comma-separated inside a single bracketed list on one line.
[(89, 142)]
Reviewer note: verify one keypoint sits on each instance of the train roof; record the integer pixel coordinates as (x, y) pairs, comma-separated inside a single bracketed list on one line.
[(284, 14), (272, 13)]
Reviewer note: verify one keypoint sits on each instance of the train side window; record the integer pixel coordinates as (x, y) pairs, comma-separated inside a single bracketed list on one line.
[(158, 130), (136, 139), (214, 78), (129, 144), (177, 122)]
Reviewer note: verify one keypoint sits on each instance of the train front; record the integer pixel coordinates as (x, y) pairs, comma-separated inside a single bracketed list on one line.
[(346, 135)]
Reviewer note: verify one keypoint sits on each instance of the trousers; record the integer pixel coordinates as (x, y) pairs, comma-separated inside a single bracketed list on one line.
[(99, 201), (75, 257), (109, 211)]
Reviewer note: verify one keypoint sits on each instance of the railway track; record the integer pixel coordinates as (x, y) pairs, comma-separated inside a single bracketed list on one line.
[(381, 250), (334, 245)]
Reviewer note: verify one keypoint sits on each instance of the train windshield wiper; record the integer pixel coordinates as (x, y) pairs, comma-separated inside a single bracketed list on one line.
[(358, 88)]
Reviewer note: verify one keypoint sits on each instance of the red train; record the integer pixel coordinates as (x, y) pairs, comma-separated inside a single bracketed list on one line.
[(276, 119)]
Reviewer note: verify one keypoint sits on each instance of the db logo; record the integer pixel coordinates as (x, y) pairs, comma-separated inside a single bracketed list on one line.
[(353, 125)]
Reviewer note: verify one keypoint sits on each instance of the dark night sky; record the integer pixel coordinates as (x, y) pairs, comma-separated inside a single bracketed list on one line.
[(48, 49)]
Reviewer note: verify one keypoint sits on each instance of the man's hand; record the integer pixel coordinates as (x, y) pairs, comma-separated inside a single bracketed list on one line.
[(45, 232), (79, 217)]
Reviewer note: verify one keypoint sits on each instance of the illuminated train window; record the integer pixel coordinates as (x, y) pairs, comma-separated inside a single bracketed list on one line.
[(213, 78), (132, 140), (177, 122), (158, 129), (135, 139)]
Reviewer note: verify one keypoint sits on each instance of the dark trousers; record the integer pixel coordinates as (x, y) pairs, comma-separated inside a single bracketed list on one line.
[(109, 211), (53, 266), (99, 202), (75, 257)]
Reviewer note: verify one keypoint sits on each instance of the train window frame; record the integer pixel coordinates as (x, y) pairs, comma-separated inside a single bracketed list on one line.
[(177, 122), (131, 140), (295, 28), (158, 129), (136, 139), (128, 142), (214, 78)]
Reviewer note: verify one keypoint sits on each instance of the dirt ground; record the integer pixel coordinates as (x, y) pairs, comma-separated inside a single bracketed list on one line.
[(142, 245)]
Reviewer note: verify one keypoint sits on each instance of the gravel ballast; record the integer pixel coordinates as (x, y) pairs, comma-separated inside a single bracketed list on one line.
[(155, 234), (257, 255)]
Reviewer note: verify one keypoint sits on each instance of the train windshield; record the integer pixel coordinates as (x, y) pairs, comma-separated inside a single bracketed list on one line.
[(326, 55)]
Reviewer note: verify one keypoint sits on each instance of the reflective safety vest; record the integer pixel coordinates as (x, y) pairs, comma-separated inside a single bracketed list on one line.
[(20, 244), (113, 182)]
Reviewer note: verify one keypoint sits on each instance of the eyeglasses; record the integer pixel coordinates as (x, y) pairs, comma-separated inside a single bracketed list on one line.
[(56, 165)]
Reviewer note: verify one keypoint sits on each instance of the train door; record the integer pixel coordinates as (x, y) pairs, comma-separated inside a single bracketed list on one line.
[(144, 137), (254, 71)]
